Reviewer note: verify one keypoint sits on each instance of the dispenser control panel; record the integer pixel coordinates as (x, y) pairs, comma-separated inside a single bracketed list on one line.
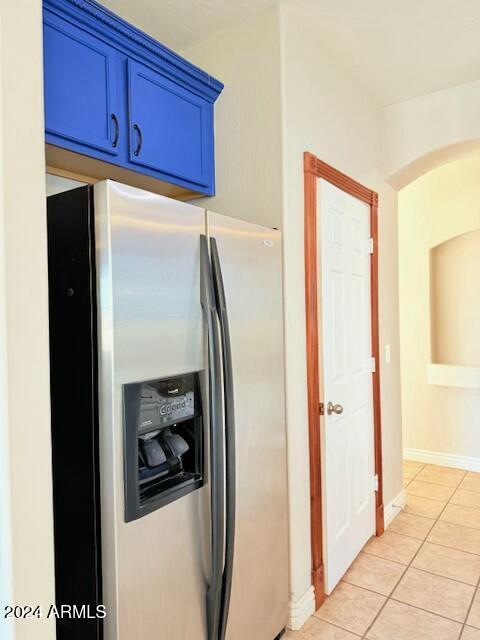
[(164, 442), (161, 405)]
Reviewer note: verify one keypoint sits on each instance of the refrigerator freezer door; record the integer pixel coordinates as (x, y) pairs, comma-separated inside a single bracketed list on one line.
[(156, 568), (250, 259)]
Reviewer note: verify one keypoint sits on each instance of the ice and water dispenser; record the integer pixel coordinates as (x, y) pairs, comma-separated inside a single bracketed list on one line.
[(163, 426)]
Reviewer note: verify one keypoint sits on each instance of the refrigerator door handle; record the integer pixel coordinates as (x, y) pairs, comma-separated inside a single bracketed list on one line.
[(230, 462), (217, 462)]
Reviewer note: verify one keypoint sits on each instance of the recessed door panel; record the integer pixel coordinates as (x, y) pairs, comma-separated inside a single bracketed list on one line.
[(169, 126), (80, 87)]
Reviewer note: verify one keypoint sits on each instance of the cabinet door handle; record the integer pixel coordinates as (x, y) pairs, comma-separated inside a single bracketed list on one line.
[(117, 130), (140, 139)]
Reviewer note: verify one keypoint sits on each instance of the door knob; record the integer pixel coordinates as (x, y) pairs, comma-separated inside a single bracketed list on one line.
[(334, 408)]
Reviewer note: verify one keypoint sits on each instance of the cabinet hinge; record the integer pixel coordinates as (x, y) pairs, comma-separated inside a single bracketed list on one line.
[(375, 482), (321, 409), (371, 246), (373, 364)]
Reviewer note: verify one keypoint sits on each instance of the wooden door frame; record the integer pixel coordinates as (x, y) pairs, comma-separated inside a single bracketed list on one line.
[(313, 170)]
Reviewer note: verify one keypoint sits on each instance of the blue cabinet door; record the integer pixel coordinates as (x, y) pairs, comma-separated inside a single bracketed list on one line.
[(80, 87), (171, 128)]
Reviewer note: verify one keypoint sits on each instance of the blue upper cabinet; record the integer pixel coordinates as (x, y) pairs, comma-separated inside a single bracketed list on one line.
[(80, 88), (176, 136), (120, 104)]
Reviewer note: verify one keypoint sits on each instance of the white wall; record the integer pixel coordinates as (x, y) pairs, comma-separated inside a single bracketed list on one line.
[(248, 135), (327, 114), (266, 118), (26, 544), (428, 131), (58, 184), (440, 205)]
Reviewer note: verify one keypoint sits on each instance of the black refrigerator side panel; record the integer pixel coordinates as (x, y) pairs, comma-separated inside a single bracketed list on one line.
[(74, 400)]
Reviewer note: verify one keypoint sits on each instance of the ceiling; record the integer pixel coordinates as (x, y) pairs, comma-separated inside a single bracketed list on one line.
[(399, 49), (179, 23), (395, 49)]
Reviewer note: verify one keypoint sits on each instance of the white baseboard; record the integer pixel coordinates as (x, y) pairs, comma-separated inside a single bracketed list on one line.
[(302, 609), (467, 463), (394, 507)]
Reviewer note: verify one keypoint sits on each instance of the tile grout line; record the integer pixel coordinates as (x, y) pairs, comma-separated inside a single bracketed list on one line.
[(402, 564), (446, 546), (464, 506), (437, 484), (415, 606), (416, 495), (465, 526), (431, 613), (457, 524), (337, 626), (470, 608), (437, 544), (389, 597)]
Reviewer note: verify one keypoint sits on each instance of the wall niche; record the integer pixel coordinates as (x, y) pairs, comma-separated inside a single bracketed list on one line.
[(455, 303)]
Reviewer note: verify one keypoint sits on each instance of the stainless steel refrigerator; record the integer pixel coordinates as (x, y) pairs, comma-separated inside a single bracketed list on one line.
[(168, 426)]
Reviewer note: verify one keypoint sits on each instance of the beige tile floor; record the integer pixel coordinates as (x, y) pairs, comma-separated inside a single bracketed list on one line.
[(421, 579)]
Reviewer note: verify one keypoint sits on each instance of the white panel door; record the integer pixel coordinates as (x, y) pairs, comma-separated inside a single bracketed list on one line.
[(346, 355)]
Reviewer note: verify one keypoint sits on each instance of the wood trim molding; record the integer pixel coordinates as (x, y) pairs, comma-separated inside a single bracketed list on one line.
[(377, 410), (313, 371), (321, 169), (314, 169)]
